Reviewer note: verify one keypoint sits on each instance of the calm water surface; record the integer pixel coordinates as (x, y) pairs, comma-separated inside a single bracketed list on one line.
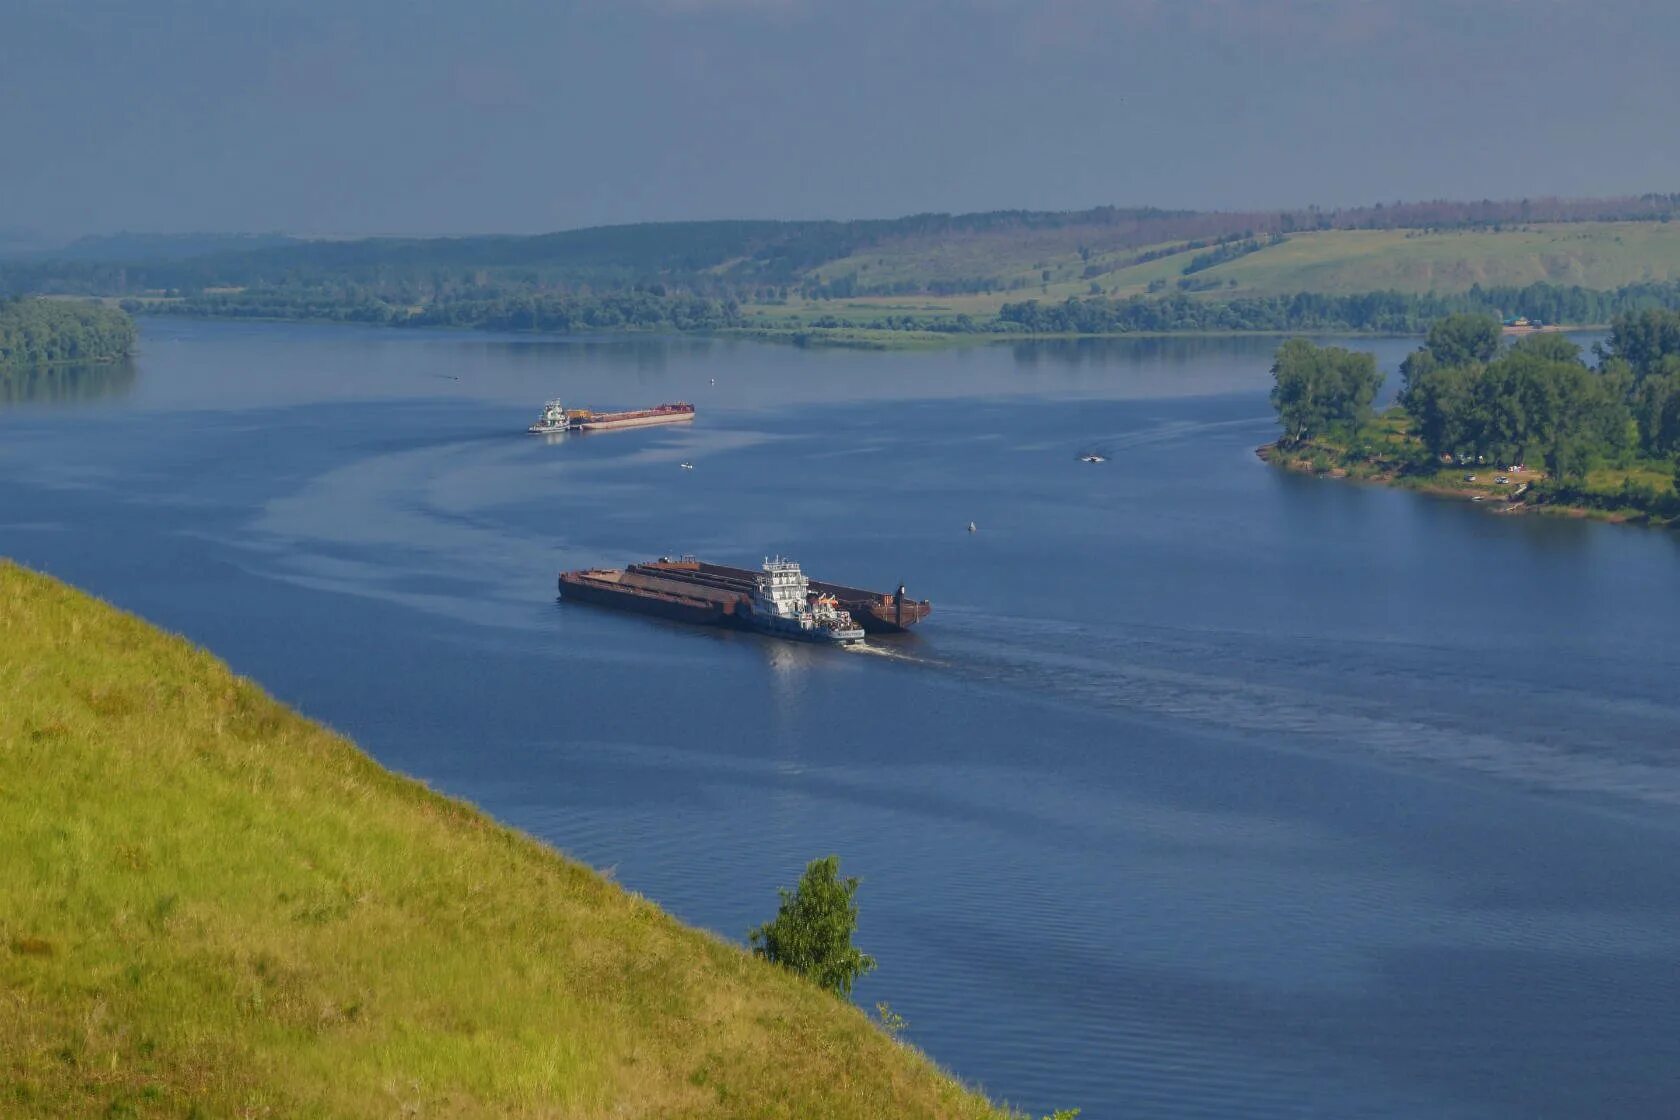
[(1208, 790)]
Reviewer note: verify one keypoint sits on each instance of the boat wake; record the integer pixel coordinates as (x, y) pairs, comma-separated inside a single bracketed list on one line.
[(1179, 679), (889, 653)]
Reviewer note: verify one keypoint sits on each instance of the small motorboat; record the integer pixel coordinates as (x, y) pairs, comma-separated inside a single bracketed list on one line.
[(973, 528), (687, 466), (1093, 457)]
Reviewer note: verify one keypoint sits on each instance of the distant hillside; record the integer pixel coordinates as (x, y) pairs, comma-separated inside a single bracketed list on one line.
[(928, 254), (932, 276), (210, 906), (122, 247), (1596, 255)]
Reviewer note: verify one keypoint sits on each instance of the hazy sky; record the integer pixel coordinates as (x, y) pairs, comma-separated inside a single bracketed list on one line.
[(409, 116)]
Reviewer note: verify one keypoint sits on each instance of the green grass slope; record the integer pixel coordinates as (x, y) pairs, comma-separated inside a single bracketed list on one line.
[(1599, 255), (210, 906), (1596, 255)]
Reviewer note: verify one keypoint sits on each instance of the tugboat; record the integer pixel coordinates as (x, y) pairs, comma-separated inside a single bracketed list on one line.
[(553, 420), (782, 605)]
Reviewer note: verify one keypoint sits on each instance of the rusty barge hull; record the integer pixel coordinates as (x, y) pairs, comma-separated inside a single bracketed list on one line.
[(609, 587), (877, 612), (590, 421)]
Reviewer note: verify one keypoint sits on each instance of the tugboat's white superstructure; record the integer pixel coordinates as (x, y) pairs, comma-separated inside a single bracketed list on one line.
[(554, 419), (782, 604)]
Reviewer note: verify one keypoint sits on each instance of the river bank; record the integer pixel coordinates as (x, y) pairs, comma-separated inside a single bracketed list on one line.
[(1391, 457), (813, 337), (211, 900)]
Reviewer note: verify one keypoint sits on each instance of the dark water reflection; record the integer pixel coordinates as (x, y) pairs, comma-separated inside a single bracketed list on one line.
[(1208, 790), (65, 383)]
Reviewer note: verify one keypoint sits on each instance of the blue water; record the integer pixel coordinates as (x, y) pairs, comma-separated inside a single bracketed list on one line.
[(1207, 790)]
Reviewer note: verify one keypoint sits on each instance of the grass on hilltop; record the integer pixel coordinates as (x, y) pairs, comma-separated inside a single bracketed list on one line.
[(1595, 255), (210, 906)]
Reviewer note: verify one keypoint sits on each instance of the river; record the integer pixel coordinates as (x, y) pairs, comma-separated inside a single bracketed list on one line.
[(1208, 789)]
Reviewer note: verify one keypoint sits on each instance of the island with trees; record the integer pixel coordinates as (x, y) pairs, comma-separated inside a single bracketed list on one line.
[(1530, 425), (42, 332)]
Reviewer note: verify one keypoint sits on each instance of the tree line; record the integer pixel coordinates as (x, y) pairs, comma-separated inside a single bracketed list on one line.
[(1386, 312), (39, 331), (500, 309), (517, 306)]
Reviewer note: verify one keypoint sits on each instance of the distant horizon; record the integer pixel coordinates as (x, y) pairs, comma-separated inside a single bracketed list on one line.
[(70, 237)]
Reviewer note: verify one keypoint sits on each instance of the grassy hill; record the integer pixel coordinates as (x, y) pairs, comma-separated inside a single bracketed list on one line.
[(921, 279), (1598, 255), (210, 906)]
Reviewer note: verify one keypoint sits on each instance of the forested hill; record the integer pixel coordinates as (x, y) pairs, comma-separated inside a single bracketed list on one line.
[(932, 253), (40, 331), (1105, 270)]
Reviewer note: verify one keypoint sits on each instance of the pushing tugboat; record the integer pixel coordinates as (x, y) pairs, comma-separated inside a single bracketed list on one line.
[(552, 421), (778, 599)]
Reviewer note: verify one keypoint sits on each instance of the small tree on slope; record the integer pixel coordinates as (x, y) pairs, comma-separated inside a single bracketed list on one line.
[(812, 932)]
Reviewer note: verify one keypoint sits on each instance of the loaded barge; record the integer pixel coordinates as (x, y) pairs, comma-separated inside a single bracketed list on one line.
[(778, 599), (877, 612), (557, 418)]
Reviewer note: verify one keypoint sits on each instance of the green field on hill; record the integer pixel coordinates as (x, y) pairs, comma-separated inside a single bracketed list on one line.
[(210, 906), (1597, 255)]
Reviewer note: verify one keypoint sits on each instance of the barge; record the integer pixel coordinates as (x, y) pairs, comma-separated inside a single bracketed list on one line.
[(779, 602), (876, 611), (588, 420), (557, 418)]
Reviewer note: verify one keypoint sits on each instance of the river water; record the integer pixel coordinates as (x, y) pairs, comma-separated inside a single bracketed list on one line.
[(1207, 790)]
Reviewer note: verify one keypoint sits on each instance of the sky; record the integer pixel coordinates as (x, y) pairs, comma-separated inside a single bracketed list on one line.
[(419, 117)]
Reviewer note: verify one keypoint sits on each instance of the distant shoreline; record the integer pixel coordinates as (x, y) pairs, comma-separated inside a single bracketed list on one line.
[(859, 338)]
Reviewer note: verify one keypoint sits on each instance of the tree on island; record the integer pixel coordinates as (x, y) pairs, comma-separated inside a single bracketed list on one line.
[(1459, 340), (812, 930), (1538, 398), (1317, 388)]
